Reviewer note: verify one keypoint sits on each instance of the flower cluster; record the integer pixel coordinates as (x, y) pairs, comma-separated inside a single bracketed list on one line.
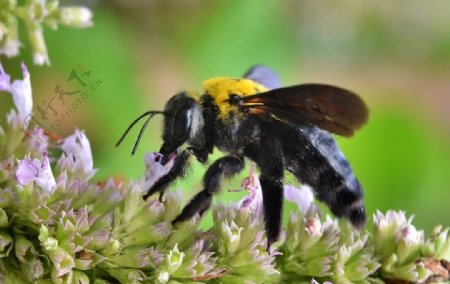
[(34, 14), (58, 226)]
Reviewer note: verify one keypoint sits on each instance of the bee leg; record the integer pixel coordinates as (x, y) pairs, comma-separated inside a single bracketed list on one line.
[(270, 161), (225, 166), (200, 154), (178, 170), (272, 189), (271, 180), (161, 197)]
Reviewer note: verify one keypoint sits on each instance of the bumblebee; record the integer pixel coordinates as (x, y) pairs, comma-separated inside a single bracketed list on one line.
[(280, 129)]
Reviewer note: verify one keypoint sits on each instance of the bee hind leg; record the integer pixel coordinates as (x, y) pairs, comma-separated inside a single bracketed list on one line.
[(225, 166)]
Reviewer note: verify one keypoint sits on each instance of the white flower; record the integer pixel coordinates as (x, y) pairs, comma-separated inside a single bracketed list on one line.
[(232, 236), (302, 196), (10, 47), (314, 227), (38, 140), (75, 16), (40, 53), (78, 145), (174, 259), (393, 233), (5, 79), (10, 43), (254, 201), (410, 242), (411, 236), (390, 222), (37, 171), (154, 169), (20, 90), (163, 277)]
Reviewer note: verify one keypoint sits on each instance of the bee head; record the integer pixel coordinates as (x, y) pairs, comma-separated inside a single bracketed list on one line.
[(180, 122)]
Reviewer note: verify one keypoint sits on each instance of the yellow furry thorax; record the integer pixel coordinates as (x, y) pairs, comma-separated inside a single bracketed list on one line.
[(220, 89)]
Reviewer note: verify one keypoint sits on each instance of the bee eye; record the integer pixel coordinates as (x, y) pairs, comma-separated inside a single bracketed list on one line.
[(181, 123)]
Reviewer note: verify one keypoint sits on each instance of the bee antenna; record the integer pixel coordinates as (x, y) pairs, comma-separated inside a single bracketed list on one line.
[(151, 114), (138, 140)]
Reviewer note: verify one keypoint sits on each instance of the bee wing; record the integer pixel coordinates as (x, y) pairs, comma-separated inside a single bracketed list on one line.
[(331, 108), (263, 75)]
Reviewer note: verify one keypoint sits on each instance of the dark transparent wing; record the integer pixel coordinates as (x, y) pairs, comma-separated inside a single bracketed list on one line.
[(263, 75), (330, 108)]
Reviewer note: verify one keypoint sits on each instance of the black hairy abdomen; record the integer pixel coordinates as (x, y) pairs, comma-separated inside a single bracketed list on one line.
[(314, 157)]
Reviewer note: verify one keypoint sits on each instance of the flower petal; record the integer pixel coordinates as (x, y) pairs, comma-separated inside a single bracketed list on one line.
[(46, 179), (5, 80), (26, 171), (20, 90), (302, 196), (38, 142), (78, 145), (154, 169), (37, 171), (75, 16), (22, 95)]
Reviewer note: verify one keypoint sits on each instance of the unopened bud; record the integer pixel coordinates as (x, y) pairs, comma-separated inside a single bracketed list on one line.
[(75, 16)]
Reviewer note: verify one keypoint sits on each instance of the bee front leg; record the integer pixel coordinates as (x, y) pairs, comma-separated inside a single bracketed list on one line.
[(180, 164), (178, 169), (225, 166)]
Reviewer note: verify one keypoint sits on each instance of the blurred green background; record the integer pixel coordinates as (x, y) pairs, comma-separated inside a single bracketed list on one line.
[(396, 55)]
